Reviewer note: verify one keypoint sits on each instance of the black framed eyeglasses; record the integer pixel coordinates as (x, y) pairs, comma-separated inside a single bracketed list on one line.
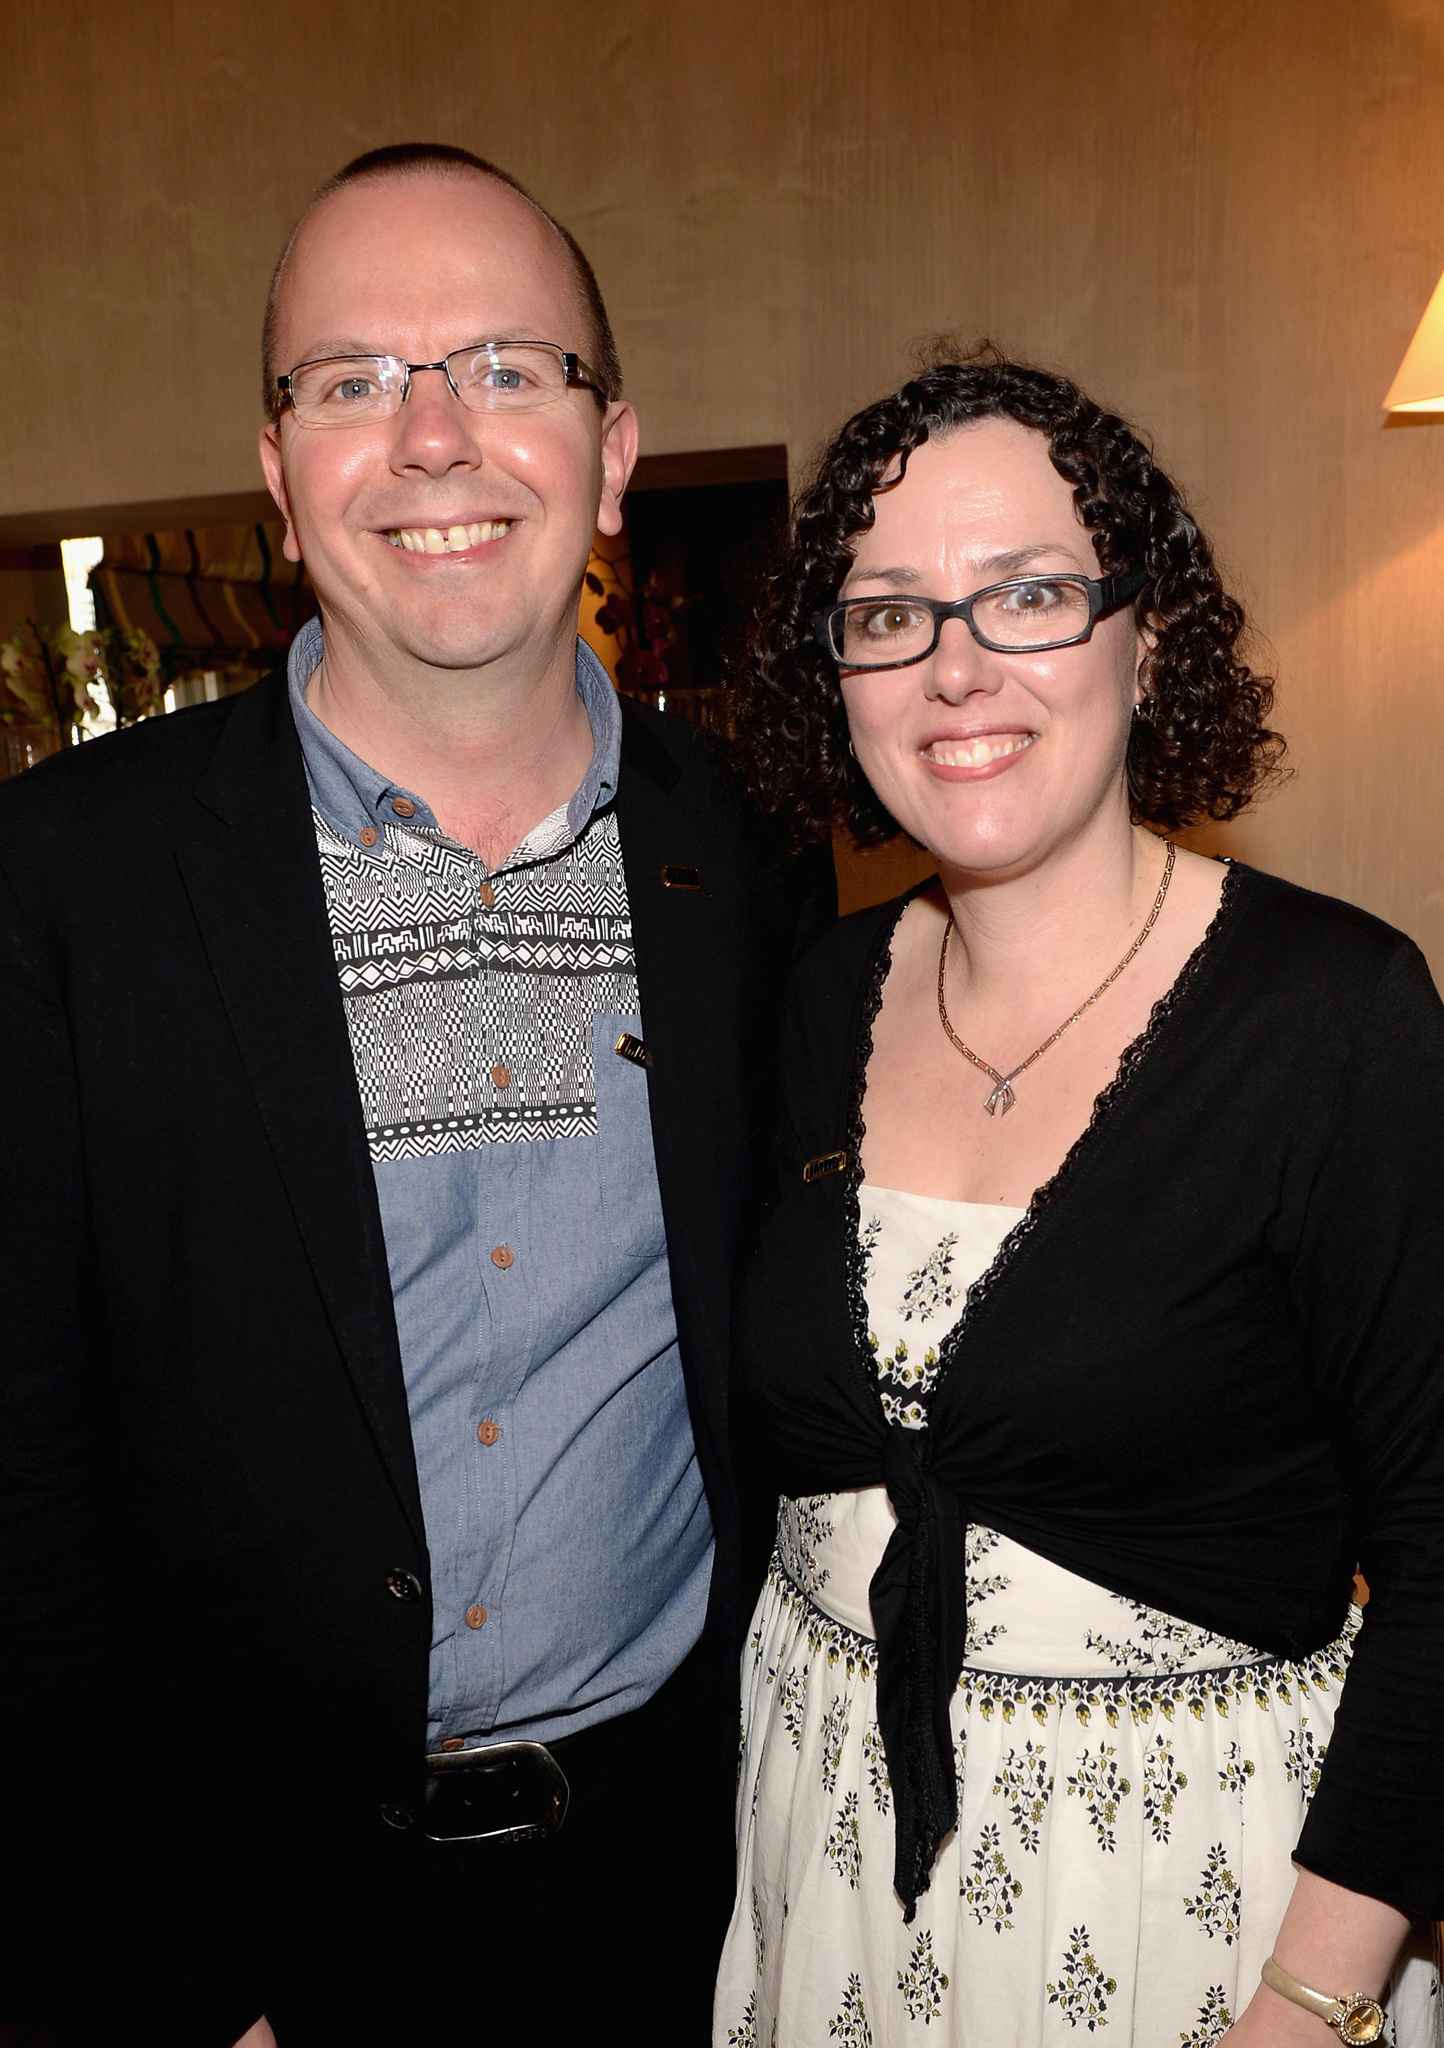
[(1025, 615), (487, 376)]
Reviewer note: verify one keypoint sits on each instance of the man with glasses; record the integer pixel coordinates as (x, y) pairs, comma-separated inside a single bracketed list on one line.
[(395, 1048)]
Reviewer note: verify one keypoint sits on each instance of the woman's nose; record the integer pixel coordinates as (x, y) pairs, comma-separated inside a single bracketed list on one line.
[(959, 665)]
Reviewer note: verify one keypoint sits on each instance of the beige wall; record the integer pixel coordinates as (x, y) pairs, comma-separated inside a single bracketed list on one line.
[(1223, 216)]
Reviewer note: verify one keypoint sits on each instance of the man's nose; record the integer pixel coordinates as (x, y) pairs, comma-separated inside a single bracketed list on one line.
[(959, 665), (433, 428)]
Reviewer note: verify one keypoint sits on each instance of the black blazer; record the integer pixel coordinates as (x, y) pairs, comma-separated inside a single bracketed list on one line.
[(208, 1475)]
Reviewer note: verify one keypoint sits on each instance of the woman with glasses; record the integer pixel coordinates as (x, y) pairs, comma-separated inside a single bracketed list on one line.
[(1094, 1333)]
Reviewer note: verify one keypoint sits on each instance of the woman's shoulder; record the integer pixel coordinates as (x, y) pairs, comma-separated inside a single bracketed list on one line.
[(1307, 934), (831, 997)]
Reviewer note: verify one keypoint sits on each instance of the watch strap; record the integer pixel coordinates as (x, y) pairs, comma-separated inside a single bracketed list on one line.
[(1353, 2015)]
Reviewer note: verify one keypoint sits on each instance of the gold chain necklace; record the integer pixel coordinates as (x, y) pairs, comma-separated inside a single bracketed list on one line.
[(1002, 1098)]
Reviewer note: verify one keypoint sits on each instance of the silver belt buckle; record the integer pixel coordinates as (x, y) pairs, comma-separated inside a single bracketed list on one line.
[(500, 1792)]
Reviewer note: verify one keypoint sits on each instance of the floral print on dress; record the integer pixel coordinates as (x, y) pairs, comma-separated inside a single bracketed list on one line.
[(792, 1698), (1236, 1771), (922, 1983), (1216, 1906), (1082, 1991), (804, 1530), (1026, 1782), (930, 1289), (744, 2035), (1101, 1787), (905, 1383), (1162, 1783), (1161, 1642), (834, 1735), (875, 1758), (850, 2028), (1305, 1760), (844, 1850), (989, 1887), (1214, 2020)]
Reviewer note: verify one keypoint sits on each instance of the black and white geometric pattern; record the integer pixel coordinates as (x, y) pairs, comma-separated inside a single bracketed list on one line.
[(472, 1024)]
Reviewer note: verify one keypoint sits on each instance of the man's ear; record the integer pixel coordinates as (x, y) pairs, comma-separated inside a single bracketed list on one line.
[(621, 438), (275, 475)]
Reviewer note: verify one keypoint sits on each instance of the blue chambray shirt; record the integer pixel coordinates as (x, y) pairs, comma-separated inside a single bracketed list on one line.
[(570, 1540)]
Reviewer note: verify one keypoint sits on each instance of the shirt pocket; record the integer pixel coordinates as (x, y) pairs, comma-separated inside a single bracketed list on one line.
[(626, 1165)]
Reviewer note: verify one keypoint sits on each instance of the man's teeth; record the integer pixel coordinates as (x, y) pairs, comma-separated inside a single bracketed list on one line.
[(451, 540), (977, 753)]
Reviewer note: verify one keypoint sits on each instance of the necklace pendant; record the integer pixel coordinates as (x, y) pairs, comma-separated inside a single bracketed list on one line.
[(1001, 1100)]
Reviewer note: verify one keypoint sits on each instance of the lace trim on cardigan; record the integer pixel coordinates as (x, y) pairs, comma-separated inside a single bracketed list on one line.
[(1130, 1060)]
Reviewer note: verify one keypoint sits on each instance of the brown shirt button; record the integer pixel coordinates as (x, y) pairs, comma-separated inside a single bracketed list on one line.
[(501, 1077), (503, 1256), (403, 807), (487, 895), (454, 1742), (488, 1432), (475, 1617), (367, 835)]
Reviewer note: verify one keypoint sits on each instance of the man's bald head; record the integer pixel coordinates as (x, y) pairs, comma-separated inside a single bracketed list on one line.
[(420, 159)]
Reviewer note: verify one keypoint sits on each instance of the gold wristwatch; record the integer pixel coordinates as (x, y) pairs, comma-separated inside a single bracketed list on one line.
[(1352, 2015)]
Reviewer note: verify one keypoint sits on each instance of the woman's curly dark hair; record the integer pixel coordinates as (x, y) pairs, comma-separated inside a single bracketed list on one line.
[(1199, 748)]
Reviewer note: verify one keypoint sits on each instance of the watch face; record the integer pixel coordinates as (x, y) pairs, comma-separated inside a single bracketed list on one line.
[(1361, 2020)]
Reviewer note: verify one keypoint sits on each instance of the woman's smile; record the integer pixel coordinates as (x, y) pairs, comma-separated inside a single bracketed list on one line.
[(971, 757)]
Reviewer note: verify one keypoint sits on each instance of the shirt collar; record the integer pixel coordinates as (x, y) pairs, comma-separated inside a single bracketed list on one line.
[(353, 798)]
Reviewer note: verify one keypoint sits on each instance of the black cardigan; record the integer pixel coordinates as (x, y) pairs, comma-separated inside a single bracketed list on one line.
[(1206, 1372)]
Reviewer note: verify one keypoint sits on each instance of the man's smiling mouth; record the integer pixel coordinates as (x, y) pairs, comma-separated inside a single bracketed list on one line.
[(447, 540)]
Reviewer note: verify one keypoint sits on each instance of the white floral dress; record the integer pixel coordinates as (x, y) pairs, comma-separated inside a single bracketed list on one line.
[(1130, 1786)]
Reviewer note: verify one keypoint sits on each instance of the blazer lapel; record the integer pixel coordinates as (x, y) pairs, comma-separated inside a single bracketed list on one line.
[(691, 968), (257, 896)]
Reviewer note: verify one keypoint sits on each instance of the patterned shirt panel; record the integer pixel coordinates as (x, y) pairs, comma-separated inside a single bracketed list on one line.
[(568, 1530), (472, 1025)]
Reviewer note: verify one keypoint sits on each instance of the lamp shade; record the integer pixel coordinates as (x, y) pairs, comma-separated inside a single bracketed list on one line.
[(1419, 385)]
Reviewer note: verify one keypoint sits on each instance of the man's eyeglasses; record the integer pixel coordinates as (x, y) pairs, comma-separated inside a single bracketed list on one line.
[(489, 376), (1026, 615)]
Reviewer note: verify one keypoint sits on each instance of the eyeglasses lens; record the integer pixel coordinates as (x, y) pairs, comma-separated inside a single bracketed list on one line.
[(508, 377), (874, 635), (1025, 615), (347, 392)]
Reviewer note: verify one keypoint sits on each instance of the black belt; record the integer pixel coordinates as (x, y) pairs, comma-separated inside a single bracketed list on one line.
[(502, 1792)]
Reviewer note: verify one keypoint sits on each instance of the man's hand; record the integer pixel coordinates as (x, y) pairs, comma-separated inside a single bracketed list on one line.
[(258, 2036)]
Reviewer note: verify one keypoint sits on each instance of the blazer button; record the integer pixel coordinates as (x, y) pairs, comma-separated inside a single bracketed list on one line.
[(487, 895), (397, 1817), (403, 1585)]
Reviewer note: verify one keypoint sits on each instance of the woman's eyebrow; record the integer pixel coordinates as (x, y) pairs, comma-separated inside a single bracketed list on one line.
[(903, 578), (1008, 562)]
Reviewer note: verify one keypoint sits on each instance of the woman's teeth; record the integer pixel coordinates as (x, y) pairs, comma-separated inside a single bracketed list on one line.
[(977, 753), (449, 540)]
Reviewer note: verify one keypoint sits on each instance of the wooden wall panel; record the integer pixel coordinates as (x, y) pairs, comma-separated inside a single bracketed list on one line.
[(1221, 214)]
